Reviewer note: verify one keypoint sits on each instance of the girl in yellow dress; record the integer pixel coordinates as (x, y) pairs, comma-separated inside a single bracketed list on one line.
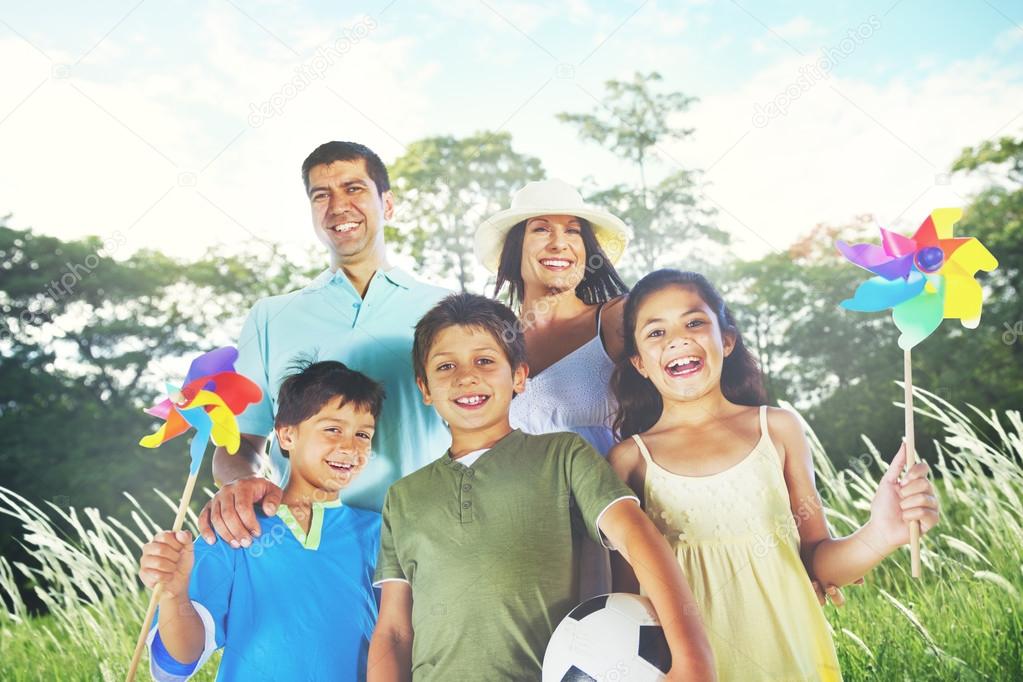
[(730, 483)]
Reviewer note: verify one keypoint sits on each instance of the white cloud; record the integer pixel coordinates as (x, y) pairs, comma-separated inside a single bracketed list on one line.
[(84, 156), (70, 168), (1009, 39), (845, 147), (796, 27)]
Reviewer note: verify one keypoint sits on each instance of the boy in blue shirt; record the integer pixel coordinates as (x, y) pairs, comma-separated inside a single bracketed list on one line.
[(316, 555)]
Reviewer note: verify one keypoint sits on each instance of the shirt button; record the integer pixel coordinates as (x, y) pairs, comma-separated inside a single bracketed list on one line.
[(466, 487), (356, 305), (466, 505)]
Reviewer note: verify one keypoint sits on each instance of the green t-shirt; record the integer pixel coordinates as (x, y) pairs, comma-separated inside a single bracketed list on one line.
[(491, 552)]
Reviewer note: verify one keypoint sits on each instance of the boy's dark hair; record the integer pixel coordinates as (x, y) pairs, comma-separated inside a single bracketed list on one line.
[(469, 310), (304, 393), (639, 403), (329, 152), (600, 283)]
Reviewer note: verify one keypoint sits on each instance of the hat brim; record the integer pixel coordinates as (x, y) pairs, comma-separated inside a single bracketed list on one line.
[(611, 232)]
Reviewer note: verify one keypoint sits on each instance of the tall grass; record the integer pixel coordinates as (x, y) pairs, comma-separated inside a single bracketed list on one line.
[(84, 573), (962, 621)]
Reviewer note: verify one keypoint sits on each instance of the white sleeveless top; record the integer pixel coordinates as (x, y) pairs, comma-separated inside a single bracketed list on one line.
[(573, 394)]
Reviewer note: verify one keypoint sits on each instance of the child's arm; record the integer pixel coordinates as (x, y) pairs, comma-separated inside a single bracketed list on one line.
[(840, 561), (626, 461), (635, 537), (168, 560), (390, 650)]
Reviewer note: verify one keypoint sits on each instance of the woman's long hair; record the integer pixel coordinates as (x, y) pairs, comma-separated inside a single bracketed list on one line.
[(639, 403), (600, 282)]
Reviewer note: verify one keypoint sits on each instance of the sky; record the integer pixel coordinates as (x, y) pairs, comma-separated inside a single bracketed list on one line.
[(181, 125)]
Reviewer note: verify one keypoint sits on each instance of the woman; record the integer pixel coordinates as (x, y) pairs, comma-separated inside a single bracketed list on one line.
[(556, 256)]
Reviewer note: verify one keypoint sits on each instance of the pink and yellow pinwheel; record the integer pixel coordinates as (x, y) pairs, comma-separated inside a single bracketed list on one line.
[(924, 278), (212, 396)]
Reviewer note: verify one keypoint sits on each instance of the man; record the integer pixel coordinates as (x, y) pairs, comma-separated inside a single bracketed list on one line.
[(359, 311)]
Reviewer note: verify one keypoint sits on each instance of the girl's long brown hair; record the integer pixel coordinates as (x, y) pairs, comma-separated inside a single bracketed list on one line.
[(639, 403)]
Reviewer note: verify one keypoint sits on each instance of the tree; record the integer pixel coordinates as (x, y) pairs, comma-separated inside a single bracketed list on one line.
[(995, 216), (634, 125), (87, 341), (446, 187)]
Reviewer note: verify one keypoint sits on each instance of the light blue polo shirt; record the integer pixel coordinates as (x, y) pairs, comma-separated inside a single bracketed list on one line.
[(328, 320)]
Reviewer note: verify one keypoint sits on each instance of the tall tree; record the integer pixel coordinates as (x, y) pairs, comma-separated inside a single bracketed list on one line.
[(446, 186), (86, 342), (634, 123)]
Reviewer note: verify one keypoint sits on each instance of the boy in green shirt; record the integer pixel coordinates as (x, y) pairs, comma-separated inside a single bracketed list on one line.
[(478, 550)]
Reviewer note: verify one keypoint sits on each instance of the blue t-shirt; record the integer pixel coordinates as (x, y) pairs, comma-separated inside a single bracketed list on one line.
[(292, 606)]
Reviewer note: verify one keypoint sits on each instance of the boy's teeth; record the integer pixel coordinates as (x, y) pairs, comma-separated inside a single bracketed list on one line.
[(470, 400)]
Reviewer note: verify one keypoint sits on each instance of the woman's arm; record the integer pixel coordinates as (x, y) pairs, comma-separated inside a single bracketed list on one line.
[(390, 650), (840, 561)]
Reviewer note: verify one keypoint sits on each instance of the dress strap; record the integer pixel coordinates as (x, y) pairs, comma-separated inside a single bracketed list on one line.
[(642, 448), (600, 309), (763, 421)]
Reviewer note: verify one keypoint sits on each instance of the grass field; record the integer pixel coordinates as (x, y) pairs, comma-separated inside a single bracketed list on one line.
[(962, 621)]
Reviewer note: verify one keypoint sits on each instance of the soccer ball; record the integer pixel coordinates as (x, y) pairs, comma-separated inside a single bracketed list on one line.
[(610, 638)]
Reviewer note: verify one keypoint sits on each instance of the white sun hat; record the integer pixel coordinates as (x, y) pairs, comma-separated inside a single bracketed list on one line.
[(549, 197)]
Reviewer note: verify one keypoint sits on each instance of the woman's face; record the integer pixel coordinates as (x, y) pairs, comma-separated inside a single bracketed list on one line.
[(553, 254)]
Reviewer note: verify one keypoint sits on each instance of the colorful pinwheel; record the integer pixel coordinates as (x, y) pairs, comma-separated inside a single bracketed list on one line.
[(212, 395), (924, 278)]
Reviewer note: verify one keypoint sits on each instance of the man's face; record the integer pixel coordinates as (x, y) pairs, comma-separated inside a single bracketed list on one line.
[(348, 211)]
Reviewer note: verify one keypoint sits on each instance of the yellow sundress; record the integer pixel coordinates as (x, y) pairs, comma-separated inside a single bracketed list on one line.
[(736, 540)]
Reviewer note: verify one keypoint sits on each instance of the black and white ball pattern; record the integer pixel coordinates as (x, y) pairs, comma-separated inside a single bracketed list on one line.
[(610, 638)]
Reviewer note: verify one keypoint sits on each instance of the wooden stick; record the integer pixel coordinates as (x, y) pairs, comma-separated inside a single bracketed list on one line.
[(154, 600), (914, 526)]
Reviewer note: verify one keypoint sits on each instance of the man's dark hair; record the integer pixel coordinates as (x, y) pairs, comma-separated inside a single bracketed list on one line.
[(329, 152), (304, 393), (469, 310)]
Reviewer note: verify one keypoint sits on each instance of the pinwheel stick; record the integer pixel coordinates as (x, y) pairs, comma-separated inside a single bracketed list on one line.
[(914, 526), (154, 600)]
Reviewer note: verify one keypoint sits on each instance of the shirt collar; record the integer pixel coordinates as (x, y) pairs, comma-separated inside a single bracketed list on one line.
[(398, 277), (321, 280), (395, 276), (511, 439)]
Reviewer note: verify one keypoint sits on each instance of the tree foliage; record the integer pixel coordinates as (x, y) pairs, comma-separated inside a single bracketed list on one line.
[(665, 214), (87, 341), (446, 186)]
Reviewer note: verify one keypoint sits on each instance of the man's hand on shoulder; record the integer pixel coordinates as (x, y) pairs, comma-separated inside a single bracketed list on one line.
[(231, 512)]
